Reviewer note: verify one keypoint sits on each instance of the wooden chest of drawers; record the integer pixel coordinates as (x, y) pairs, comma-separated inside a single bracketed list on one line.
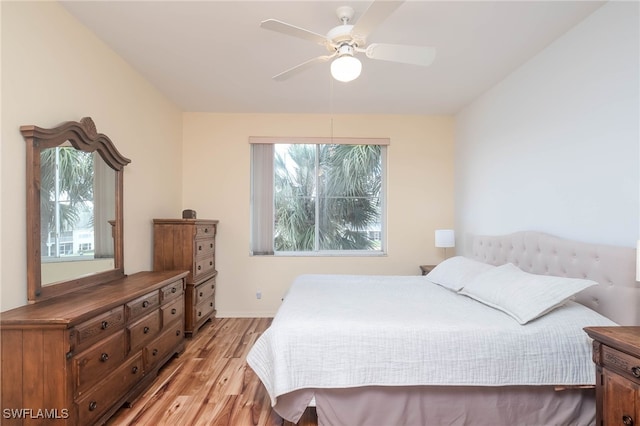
[(82, 355), (616, 353), (189, 244)]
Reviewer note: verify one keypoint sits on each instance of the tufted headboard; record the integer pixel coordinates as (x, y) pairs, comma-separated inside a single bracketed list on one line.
[(618, 295)]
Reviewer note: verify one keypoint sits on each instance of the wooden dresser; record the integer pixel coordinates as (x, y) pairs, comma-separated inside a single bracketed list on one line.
[(75, 359), (189, 244), (616, 353)]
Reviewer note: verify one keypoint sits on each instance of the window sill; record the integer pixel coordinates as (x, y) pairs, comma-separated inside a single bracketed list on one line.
[(323, 254)]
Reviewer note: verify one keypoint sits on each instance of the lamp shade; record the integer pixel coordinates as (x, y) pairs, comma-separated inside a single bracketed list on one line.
[(445, 238), (346, 68)]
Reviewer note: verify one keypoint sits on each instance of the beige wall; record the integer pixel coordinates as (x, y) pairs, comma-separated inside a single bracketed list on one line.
[(216, 171), (55, 70)]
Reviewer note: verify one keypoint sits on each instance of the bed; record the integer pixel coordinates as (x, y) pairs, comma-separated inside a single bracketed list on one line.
[(451, 347)]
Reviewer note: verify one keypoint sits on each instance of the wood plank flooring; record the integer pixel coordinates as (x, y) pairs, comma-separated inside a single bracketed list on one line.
[(210, 383)]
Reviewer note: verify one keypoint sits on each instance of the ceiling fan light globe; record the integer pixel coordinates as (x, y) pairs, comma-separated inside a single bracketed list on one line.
[(346, 68)]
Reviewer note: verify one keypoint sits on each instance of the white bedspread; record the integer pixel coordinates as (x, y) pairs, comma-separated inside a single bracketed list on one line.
[(335, 331)]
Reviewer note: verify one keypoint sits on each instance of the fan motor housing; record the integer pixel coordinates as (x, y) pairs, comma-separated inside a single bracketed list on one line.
[(340, 34)]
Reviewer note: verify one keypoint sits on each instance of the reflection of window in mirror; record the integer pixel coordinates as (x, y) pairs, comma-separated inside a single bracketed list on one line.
[(76, 204)]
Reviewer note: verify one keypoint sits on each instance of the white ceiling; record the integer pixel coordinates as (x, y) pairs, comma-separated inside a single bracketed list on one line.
[(212, 56)]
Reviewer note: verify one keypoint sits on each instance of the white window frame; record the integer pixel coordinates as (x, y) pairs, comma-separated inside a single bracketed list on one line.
[(262, 197)]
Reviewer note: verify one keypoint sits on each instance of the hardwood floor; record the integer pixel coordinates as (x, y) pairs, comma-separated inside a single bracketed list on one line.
[(210, 383)]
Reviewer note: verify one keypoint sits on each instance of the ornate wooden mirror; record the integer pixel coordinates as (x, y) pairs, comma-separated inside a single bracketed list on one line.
[(74, 209)]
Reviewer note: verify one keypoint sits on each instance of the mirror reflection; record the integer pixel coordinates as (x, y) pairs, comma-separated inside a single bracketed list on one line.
[(77, 213)]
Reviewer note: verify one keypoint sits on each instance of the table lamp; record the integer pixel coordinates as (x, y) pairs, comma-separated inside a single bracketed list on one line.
[(445, 238)]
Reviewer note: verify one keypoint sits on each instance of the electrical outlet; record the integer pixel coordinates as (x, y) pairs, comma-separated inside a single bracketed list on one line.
[(258, 294)]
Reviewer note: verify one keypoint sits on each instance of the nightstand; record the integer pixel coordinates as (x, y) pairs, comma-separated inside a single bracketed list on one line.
[(426, 268), (616, 353)]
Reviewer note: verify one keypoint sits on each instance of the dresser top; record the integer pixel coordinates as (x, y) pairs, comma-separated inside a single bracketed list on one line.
[(76, 307), (183, 221), (625, 339)]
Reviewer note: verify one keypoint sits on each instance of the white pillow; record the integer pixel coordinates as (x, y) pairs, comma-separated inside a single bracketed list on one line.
[(455, 272), (522, 295)]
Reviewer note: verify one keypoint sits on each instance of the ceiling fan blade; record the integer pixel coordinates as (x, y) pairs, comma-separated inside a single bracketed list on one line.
[(292, 30), (416, 55), (377, 12), (301, 67)]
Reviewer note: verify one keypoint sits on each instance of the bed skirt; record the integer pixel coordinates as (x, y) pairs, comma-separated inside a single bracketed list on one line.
[(443, 405)]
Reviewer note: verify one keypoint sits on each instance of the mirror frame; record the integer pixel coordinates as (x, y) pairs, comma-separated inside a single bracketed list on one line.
[(83, 136)]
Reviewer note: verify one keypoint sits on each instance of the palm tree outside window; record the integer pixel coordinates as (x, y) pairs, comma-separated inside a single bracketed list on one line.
[(66, 202)]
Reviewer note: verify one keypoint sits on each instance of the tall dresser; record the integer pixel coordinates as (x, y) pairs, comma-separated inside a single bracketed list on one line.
[(189, 244), (616, 353), (75, 359)]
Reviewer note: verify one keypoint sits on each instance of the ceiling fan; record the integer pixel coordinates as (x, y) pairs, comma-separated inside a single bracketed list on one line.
[(346, 40)]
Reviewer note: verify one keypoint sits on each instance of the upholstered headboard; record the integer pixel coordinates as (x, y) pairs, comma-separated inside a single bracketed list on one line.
[(618, 294)]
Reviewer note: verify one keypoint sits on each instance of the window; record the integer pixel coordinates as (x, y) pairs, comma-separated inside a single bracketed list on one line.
[(317, 196), (66, 249)]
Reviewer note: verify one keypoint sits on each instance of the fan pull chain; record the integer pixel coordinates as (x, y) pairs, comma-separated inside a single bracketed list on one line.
[(331, 106)]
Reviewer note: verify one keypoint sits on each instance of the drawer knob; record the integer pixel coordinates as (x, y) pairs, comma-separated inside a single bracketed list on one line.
[(206, 230), (199, 267), (173, 311), (635, 371), (145, 330), (211, 304), (154, 352), (145, 303), (211, 263), (178, 332), (93, 405), (173, 289), (211, 245), (199, 313), (104, 325), (627, 420), (104, 357), (134, 369), (201, 294)]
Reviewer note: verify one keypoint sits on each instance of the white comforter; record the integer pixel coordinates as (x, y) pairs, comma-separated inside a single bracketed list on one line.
[(335, 331)]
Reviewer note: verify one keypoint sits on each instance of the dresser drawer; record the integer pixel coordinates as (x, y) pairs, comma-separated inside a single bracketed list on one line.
[(144, 330), (205, 290), (164, 345), (172, 311), (204, 247), (111, 388), (205, 231), (99, 327), (96, 362), (172, 290), (203, 267), (204, 309), (143, 305), (621, 362)]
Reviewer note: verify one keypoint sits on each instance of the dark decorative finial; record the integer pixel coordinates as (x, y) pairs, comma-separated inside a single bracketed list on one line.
[(89, 127)]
